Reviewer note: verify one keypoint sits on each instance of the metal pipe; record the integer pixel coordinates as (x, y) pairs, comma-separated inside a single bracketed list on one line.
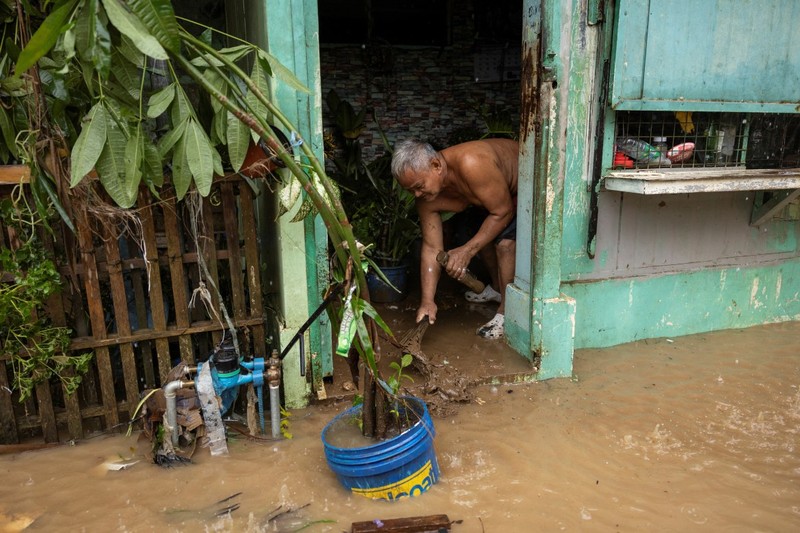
[(275, 409), (172, 407)]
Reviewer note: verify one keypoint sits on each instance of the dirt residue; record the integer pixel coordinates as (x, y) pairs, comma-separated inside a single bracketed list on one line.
[(444, 385)]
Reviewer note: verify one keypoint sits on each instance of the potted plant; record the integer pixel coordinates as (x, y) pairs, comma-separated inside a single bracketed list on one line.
[(382, 213)]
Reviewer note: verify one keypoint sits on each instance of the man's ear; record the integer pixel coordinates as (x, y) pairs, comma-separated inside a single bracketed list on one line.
[(436, 164)]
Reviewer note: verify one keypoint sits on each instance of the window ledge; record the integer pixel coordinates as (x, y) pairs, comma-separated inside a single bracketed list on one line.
[(679, 181)]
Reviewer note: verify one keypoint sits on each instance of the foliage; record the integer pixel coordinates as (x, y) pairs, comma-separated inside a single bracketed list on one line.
[(102, 88), (396, 379), (383, 214), (37, 349)]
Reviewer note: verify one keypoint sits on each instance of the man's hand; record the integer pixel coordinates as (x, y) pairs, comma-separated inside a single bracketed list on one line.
[(427, 310), (458, 262)]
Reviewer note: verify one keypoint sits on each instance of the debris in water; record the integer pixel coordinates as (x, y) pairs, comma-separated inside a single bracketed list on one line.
[(443, 383)]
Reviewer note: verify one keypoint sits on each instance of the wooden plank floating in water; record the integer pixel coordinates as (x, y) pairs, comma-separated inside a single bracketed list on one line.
[(413, 524)]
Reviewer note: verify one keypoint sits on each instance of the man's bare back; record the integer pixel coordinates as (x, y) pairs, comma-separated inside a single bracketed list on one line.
[(481, 173)]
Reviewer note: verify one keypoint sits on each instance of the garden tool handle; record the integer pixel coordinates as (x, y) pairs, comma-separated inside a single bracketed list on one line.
[(468, 278)]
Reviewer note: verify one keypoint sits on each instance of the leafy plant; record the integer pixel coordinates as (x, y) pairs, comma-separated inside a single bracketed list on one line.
[(100, 88), (383, 214), (396, 379), (37, 349)]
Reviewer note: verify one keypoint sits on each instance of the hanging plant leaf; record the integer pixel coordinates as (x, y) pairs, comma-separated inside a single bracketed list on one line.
[(8, 132), (93, 42), (90, 143), (306, 208), (289, 194), (160, 101), (134, 157), (282, 73), (129, 51), (132, 27), (153, 172), (257, 108), (198, 153), (159, 18), (111, 166), (181, 109), (218, 83), (238, 140), (45, 37), (234, 53), (170, 138), (128, 75), (181, 175)]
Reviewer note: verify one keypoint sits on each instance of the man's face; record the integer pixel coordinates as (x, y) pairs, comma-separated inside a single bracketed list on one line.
[(424, 184)]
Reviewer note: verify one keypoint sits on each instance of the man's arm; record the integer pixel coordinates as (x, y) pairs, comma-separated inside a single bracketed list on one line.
[(430, 271), (489, 189)]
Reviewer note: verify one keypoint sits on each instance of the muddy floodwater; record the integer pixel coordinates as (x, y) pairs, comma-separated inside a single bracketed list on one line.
[(696, 433)]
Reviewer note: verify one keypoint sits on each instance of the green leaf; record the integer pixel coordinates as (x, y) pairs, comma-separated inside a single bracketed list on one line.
[(256, 107), (90, 143), (289, 194), (9, 134), (238, 140), (181, 175), (128, 75), (160, 101), (132, 27), (158, 16), (282, 73), (181, 107), (45, 37), (134, 157), (153, 169), (129, 51), (234, 53), (168, 141), (198, 152), (93, 41), (111, 166)]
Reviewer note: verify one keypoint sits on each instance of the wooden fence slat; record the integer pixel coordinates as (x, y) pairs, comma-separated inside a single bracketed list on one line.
[(202, 326), (178, 276), (209, 253), (8, 423), (119, 297), (55, 310), (253, 267), (47, 417), (96, 317), (154, 276), (231, 218), (140, 303)]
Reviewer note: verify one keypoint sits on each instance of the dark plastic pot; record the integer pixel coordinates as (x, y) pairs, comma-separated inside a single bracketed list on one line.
[(380, 292)]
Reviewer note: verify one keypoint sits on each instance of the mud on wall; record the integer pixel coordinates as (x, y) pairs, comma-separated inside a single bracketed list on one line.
[(423, 91)]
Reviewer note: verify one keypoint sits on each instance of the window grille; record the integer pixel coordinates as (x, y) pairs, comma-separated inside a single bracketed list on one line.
[(686, 139)]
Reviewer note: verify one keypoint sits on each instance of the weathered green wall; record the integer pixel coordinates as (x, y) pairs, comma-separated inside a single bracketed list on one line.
[(622, 310), (564, 296), (289, 31)]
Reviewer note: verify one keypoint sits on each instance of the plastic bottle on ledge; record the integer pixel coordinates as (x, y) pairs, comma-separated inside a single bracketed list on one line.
[(643, 153)]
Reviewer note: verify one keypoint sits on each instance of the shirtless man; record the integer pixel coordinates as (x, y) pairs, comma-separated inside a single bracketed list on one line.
[(480, 173)]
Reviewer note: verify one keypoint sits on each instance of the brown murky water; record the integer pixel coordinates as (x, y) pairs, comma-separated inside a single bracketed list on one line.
[(686, 434)]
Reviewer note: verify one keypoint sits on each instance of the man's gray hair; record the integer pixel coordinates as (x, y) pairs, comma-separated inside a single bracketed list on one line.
[(412, 154)]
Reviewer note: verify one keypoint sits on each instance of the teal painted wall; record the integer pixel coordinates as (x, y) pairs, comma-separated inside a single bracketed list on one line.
[(623, 310), (657, 266)]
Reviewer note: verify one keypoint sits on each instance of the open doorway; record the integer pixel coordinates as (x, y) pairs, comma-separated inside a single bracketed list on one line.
[(452, 77)]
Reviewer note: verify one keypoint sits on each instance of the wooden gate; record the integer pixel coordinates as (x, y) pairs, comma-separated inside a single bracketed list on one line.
[(128, 280)]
